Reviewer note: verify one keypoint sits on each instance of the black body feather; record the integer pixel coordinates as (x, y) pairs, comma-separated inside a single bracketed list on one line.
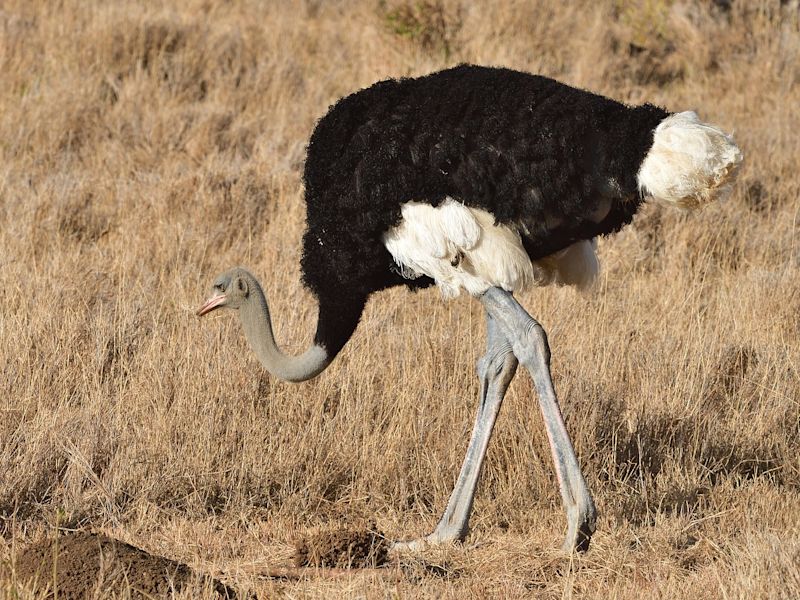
[(532, 151)]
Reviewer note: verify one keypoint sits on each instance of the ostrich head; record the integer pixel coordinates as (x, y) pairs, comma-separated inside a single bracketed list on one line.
[(231, 289), (238, 289), (690, 163)]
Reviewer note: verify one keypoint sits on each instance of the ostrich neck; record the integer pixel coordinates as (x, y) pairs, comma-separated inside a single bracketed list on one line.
[(257, 324)]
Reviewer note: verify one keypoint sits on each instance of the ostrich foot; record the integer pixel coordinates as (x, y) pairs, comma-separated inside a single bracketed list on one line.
[(420, 544), (581, 524), (409, 546)]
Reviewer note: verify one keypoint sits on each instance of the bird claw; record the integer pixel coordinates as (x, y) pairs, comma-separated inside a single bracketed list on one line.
[(408, 546), (581, 526), (420, 544)]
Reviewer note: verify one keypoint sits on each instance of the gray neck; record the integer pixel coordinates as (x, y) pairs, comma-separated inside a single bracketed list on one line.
[(257, 324)]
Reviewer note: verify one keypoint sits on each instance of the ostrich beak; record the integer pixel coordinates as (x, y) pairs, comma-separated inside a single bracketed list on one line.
[(213, 302)]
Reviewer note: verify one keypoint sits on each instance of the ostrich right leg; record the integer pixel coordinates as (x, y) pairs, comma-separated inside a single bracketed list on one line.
[(496, 368)]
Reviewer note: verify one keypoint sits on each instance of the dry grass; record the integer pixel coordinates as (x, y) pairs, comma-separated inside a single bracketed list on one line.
[(145, 147)]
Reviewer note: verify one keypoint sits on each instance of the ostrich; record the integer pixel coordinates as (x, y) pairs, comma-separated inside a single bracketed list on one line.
[(487, 180)]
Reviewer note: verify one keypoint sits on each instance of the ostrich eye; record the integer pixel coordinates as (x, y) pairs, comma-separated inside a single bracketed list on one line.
[(220, 287)]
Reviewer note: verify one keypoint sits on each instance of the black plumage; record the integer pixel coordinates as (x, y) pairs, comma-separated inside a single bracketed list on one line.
[(535, 153)]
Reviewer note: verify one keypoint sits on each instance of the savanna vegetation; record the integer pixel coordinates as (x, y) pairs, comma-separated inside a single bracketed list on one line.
[(146, 146)]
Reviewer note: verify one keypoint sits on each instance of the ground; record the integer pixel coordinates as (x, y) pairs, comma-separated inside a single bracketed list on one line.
[(76, 565), (144, 148)]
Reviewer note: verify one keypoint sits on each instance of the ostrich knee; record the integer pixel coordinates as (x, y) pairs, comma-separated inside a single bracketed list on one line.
[(531, 346)]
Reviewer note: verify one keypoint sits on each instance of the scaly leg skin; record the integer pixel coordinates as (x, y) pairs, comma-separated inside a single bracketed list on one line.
[(529, 344), (495, 369)]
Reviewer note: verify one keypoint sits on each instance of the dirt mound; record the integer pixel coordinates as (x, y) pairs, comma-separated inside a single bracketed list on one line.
[(85, 563), (342, 548)]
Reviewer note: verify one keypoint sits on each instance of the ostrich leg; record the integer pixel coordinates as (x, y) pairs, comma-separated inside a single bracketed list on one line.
[(496, 368), (529, 344)]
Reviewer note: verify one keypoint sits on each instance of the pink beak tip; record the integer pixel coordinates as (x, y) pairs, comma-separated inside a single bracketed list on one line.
[(210, 304)]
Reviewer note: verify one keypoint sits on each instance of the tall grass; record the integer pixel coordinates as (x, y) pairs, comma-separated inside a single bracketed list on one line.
[(145, 146)]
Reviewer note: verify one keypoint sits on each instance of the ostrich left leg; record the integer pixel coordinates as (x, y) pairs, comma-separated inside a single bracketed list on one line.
[(496, 368)]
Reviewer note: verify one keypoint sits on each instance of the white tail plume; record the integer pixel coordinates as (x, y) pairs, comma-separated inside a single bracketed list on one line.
[(690, 163)]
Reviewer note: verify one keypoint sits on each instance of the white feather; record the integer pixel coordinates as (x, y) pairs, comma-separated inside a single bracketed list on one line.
[(463, 248), (575, 265), (690, 163)]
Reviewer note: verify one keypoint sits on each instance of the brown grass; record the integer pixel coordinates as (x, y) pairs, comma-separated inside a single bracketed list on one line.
[(145, 147)]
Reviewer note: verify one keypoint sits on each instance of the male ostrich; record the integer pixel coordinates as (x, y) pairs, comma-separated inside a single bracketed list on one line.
[(489, 180)]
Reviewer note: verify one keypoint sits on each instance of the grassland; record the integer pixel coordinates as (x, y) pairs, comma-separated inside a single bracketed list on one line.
[(145, 146)]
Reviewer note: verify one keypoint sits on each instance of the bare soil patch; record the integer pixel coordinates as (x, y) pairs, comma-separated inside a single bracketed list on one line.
[(77, 565), (341, 548)]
